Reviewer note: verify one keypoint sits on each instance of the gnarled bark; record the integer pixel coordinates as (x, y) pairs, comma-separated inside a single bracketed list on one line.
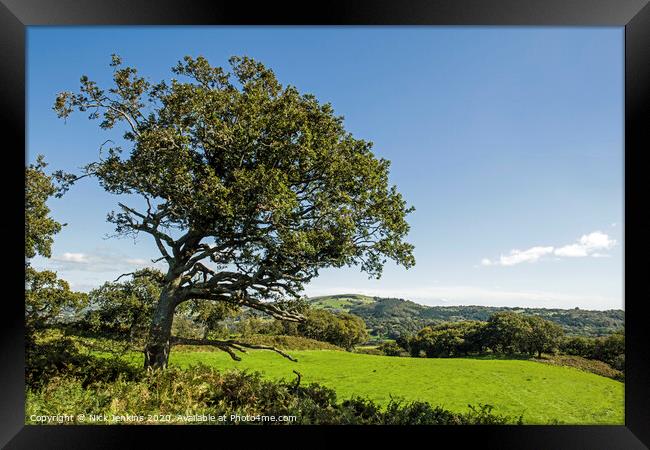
[(156, 351)]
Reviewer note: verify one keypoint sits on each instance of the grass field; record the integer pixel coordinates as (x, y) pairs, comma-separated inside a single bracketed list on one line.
[(541, 392)]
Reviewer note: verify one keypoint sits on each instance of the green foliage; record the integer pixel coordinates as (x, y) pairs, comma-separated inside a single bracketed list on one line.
[(391, 349), (205, 318), (40, 228), (269, 174), (253, 324), (124, 309), (450, 339), (508, 332), (55, 355), (609, 349), (544, 336), (504, 333), (343, 330), (46, 296)]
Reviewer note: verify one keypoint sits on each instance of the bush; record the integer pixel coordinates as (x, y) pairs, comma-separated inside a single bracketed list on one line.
[(391, 349), (63, 357)]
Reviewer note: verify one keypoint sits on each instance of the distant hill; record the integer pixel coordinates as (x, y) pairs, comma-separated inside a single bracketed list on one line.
[(393, 317), (341, 302)]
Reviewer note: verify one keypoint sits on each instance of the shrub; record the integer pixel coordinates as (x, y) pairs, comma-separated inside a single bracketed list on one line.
[(391, 349), (63, 358)]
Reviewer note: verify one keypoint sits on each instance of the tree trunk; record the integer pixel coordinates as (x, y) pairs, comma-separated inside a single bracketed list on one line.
[(156, 352)]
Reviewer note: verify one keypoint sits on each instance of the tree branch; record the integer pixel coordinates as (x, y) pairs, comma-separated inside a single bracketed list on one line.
[(150, 225), (228, 346), (226, 295)]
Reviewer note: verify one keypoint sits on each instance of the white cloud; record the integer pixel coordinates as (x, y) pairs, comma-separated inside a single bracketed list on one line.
[(518, 256), (592, 244), (88, 270), (97, 262), (588, 244), (571, 251), (72, 257)]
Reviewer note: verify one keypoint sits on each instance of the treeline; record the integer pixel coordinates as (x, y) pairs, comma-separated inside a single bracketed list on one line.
[(390, 318), (507, 333), (503, 333)]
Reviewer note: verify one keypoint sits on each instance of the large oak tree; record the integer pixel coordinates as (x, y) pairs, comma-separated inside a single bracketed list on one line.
[(250, 187)]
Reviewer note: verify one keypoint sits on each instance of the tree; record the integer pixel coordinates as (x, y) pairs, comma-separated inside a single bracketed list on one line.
[(250, 187), (342, 329), (125, 308), (611, 349), (348, 331), (46, 296), (544, 335), (40, 228), (507, 332), (578, 346)]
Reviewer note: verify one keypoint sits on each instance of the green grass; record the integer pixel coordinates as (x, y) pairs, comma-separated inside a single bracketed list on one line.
[(541, 392)]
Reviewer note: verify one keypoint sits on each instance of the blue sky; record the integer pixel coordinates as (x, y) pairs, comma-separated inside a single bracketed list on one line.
[(508, 142)]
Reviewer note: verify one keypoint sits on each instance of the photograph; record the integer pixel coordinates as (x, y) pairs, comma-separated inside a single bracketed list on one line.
[(325, 225)]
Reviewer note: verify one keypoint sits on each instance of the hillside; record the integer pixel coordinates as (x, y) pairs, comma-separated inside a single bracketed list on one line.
[(394, 317), (541, 392)]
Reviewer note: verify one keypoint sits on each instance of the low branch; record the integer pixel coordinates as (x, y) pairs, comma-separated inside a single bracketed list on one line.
[(225, 294), (221, 345), (228, 346)]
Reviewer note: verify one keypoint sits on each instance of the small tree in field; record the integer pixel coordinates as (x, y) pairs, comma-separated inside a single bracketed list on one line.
[(250, 187)]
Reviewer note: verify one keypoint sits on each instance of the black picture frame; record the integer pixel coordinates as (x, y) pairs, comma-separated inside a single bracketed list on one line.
[(634, 15)]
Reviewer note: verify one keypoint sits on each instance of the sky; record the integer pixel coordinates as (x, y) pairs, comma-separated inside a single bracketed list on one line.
[(508, 141)]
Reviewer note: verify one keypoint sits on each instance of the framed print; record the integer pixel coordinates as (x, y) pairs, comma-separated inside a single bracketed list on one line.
[(376, 218)]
